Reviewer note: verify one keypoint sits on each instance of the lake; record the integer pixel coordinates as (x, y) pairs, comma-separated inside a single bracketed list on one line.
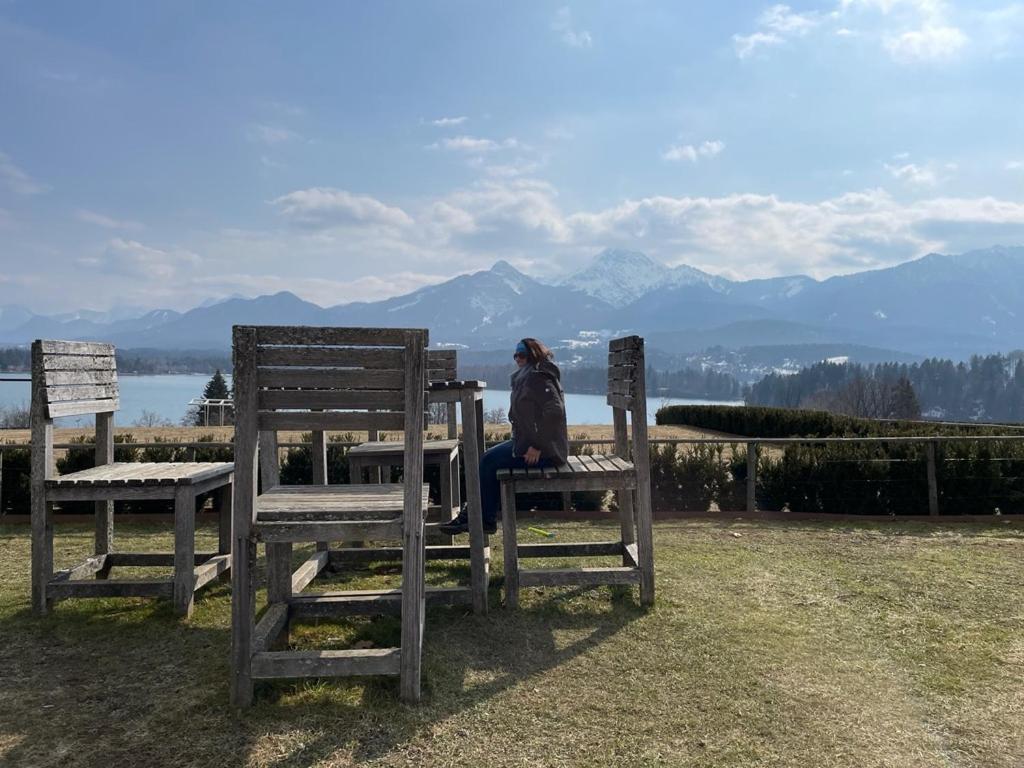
[(168, 396)]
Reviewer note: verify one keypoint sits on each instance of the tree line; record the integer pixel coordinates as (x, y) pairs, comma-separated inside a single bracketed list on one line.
[(985, 388), (136, 361), (688, 382)]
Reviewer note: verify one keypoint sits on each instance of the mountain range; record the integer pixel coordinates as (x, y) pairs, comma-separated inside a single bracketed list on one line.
[(937, 305)]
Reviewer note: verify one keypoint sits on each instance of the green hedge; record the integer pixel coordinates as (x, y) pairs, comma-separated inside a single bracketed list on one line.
[(760, 421)]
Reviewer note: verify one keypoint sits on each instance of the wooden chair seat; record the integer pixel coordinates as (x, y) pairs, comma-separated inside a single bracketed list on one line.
[(128, 473), (380, 449)]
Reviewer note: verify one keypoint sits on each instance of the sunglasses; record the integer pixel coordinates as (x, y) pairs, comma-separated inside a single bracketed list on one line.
[(518, 355)]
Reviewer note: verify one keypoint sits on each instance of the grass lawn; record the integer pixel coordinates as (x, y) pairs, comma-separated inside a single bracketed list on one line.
[(776, 644)]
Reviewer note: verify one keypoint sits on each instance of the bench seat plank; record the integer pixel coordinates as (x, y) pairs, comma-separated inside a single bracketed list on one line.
[(128, 473)]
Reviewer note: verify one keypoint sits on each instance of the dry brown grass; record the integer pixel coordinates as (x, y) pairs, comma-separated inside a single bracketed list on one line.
[(771, 644)]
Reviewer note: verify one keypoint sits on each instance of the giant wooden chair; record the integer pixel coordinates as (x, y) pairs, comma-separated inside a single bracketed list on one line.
[(74, 378), (320, 379), (629, 477)]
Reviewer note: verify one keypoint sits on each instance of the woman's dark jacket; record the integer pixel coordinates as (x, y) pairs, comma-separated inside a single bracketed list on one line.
[(537, 412)]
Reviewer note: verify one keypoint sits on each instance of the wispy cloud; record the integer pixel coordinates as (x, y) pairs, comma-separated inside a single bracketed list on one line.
[(571, 36), (324, 207), (928, 43), (445, 122), (271, 134), (107, 222), (130, 258), (474, 144), (16, 180), (693, 153), (775, 26), (1015, 165)]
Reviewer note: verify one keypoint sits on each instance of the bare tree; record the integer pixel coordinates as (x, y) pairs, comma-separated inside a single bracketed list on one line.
[(151, 419)]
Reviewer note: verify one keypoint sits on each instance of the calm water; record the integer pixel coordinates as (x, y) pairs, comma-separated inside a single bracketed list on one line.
[(168, 396)]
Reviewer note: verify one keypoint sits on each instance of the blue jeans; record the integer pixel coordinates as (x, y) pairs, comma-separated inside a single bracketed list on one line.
[(495, 458)]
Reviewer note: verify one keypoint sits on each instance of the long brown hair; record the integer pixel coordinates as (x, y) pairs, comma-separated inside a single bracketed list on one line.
[(537, 351)]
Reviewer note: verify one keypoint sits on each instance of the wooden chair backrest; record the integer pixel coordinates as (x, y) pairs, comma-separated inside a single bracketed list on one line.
[(442, 365), (627, 392), (321, 379), (73, 378)]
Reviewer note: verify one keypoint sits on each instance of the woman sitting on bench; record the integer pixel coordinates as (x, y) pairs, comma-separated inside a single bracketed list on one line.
[(540, 437)]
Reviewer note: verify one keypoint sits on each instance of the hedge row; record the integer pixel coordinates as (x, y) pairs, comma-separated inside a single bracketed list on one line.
[(761, 421)]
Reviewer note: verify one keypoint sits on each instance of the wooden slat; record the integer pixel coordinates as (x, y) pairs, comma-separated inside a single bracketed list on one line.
[(372, 602), (275, 399), (335, 530), (144, 473), (580, 577), (309, 570), (441, 355), (576, 464), (65, 378), (110, 588), (620, 463), (394, 448), (630, 556), (298, 502), (210, 570), (329, 357), (88, 567), (268, 665), (269, 627), (620, 401), (627, 342), (578, 549), (626, 388), (628, 357), (81, 392), (337, 421), (621, 372), (78, 363), (327, 335), (150, 559), (51, 347), (82, 407), (312, 378)]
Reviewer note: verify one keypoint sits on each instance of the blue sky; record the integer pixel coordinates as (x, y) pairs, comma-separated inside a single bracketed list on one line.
[(161, 153)]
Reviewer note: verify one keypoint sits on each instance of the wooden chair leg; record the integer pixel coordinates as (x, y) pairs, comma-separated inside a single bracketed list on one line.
[(243, 620), (224, 522), (510, 544), (414, 610), (184, 549), (104, 533), (279, 580), (626, 521), (42, 553)]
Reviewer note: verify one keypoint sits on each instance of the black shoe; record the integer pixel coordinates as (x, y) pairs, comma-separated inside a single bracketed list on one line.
[(460, 524)]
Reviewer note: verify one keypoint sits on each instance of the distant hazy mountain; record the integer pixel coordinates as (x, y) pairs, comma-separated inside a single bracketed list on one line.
[(935, 305)]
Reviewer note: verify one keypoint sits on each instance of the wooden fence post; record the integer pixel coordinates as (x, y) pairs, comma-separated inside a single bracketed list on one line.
[(751, 476), (933, 483)]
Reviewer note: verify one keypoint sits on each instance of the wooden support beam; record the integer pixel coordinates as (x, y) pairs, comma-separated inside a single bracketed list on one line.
[(309, 570), (89, 567), (578, 549), (269, 665), (60, 590), (581, 577), (270, 626), (205, 573), (372, 602)]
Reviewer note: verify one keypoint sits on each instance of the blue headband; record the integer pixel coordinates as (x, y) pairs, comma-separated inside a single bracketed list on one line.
[(522, 350)]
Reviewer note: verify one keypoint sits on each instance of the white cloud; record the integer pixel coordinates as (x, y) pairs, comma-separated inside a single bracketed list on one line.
[(692, 153), (775, 25), (574, 38), (913, 174), (16, 180), (474, 145), (444, 122), (325, 207), (107, 222), (927, 43), (1015, 165), (130, 258), (271, 134)]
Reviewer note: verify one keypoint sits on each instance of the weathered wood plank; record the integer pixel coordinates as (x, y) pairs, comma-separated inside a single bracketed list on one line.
[(337, 421), (81, 392), (620, 401), (626, 342), (144, 473), (360, 555), (309, 570), (78, 363), (390, 448), (42, 468), (243, 593), (328, 357), (624, 388), (626, 357), (151, 559), (269, 665), (272, 399), (67, 378), (328, 335), (210, 570), (627, 525), (61, 590), (335, 530), (82, 407), (279, 581), (479, 561), (413, 541), (53, 347), (509, 544), (311, 378), (88, 567), (631, 557), (270, 626), (104, 537), (184, 550), (572, 549), (582, 577), (581, 481), (372, 602), (642, 462)]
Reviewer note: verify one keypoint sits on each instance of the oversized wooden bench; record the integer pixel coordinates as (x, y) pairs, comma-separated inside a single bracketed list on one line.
[(626, 471), (322, 379), (71, 378)]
